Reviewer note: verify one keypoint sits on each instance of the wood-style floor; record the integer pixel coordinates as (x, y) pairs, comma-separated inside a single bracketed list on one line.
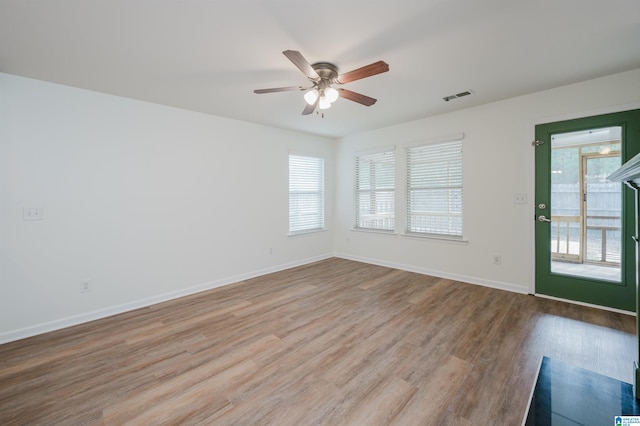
[(336, 342)]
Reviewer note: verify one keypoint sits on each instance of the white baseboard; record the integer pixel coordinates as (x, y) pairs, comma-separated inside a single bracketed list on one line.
[(435, 273), (58, 324), (472, 280), (588, 305)]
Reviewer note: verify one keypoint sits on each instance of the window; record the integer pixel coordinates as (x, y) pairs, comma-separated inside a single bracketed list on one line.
[(306, 194), (374, 191), (434, 189)]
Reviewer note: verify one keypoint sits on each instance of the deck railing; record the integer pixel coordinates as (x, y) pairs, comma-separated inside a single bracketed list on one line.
[(564, 247)]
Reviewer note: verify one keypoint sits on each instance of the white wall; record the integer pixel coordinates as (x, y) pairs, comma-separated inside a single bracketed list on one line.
[(498, 163), (145, 201)]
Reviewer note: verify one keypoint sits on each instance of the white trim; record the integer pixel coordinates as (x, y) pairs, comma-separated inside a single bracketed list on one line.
[(438, 139), (143, 303), (303, 153), (588, 305), (374, 231), (389, 148), (531, 221), (307, 170), (307, 232), (362, 167), (435, 273), (58, 324), (423, 163), (435, 238)]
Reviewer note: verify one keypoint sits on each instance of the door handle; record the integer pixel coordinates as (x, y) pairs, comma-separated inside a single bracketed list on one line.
[(543, 218)]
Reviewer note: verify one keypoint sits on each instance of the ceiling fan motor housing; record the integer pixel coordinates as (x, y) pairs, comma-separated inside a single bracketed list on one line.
[(326, 70)]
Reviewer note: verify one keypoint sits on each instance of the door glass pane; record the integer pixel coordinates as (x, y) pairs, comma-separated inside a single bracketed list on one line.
[(603, 211), (565, 204), (585, 207)]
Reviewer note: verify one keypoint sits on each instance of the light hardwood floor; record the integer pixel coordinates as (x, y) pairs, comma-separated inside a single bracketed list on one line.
[(336, 342)]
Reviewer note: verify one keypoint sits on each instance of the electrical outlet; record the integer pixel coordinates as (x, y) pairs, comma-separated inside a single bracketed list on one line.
[(85, 286), (270, 250), (497, 259)]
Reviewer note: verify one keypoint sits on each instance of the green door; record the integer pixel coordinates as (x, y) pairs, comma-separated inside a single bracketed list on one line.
[(584, 223)]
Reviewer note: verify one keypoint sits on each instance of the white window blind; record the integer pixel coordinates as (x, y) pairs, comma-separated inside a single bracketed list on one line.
[(374, 191), (434, 189), (306, 194)]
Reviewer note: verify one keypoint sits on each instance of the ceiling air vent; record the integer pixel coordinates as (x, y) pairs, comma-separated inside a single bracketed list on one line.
[(457, 95)]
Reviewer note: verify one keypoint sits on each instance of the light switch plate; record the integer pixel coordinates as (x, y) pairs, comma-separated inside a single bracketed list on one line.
[(33, 213), (519, 198)]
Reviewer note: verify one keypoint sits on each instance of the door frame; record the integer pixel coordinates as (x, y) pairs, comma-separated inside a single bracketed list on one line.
[(532, 188)]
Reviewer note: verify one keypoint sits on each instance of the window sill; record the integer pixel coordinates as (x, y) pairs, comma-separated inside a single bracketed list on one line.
[(307, 232), (375, 231), (435, 238)]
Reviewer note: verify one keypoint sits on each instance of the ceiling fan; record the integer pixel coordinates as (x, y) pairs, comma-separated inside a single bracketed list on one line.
[(324, 76)]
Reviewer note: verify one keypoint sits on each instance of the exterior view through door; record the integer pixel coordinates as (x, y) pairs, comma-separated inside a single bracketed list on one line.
[(586, 209), (585, 222)]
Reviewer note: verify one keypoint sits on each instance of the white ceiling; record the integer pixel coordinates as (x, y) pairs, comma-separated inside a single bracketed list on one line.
[(209, 55)]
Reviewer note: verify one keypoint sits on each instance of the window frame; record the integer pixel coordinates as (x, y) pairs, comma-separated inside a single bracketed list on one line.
[(317, 195), (386, 218), (453, 230)]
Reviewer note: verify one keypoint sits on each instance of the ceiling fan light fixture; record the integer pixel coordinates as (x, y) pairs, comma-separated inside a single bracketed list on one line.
[(324, 103), (311, 96), (331, 94), (323, 75)]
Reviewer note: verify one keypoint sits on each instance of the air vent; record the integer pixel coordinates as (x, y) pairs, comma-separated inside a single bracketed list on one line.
[(457, 95)]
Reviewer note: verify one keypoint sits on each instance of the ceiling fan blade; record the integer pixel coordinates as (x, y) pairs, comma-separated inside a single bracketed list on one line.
[(279, 89), (310, 108), (302, 64), (357, 97), (366, 71)]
